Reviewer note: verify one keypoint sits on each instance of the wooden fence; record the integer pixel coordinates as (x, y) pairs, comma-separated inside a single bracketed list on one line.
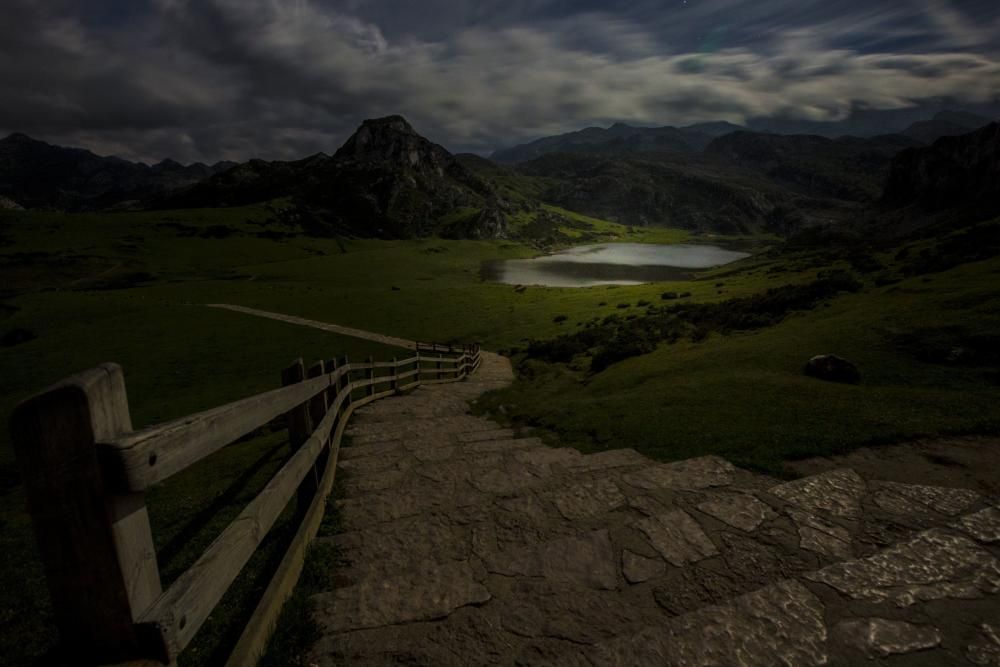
[(86, 473)]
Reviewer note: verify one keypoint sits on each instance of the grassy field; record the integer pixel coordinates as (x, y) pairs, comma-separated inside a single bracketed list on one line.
[(129, 287)]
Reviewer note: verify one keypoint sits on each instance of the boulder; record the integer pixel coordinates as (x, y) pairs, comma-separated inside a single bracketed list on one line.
[(7, 204), (832, 368)]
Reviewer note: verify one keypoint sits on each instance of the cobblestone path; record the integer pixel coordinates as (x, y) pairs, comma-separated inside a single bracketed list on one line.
[(464, 543)]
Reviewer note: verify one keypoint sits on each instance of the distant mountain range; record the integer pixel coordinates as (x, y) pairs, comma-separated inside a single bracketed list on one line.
[(622, 140), (388, 181), (35, 174)]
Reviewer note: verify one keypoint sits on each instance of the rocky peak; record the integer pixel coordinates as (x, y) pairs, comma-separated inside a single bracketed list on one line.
[(392, 141), (168, 165), (20, 139)]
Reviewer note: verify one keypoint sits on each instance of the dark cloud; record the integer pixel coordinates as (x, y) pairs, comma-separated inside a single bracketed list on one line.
[(230, 79)]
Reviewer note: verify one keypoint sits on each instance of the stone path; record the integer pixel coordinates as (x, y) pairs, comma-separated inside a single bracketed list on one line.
[(314, 324), (464, 543)]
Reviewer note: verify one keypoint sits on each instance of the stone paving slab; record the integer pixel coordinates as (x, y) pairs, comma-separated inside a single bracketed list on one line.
[(433, 592), (936, 564)]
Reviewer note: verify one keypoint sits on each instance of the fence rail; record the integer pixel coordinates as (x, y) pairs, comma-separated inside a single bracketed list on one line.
[(86, 472)]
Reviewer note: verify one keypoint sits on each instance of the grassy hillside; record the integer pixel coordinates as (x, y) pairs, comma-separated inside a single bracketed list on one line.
[(926, 346)]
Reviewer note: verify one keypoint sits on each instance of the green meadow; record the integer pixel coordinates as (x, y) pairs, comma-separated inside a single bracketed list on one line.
[(132, 288)]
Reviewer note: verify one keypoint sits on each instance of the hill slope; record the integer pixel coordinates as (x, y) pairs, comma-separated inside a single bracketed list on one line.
[(961, 172), (682, 193), (619, 140)]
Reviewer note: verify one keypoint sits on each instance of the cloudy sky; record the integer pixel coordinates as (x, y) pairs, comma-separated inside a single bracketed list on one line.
[(232, 79)]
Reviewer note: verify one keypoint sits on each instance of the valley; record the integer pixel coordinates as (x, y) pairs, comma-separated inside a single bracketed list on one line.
[(903, 283)]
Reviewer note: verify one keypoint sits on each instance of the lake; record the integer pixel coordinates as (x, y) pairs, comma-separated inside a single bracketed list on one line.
[(610, 264)]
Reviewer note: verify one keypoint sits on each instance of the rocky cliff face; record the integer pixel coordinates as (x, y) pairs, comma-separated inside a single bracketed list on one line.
[(961, 172)]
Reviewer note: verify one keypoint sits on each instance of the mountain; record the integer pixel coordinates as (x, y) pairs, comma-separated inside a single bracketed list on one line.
[(945, 124), (386, 181), (619, 140), (39, 175), (683, 193), (924, 124), (713, 129), (849, 168), (955, 173)]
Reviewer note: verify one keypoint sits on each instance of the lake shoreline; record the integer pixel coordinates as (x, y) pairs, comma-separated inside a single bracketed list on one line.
[(611, 264)]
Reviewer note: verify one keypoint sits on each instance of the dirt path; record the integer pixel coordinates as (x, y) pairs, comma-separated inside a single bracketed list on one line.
[(465, 543), (333, 328)]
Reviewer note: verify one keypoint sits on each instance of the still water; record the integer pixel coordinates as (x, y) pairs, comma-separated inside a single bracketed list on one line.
[(610, 264)]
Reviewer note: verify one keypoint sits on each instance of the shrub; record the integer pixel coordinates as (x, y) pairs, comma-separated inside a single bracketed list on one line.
[(559, 319), (668, 296)]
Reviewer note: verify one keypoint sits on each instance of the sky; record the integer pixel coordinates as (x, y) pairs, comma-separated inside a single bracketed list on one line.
[(209, 80)]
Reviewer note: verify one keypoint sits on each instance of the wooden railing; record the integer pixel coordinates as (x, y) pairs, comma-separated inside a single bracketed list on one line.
[(86, 473)]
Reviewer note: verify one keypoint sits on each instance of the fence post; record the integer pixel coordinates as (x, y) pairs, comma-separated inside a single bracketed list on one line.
[(371, 376), (331, 394), (346, 379), (299, 429), (318, 403), (95, 544), (418, 366), (394, 381)]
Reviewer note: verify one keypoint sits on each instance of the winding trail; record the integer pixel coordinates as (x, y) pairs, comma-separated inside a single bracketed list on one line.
[(315, 324), (462, 542), (466, 543)]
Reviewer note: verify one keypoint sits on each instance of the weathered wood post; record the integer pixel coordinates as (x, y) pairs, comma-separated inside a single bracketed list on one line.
[(317, 411), (346, 382), (371, 376), (299, 428), (318, 403), (94, 540), (394, 380), (417, 366), (329, 368)]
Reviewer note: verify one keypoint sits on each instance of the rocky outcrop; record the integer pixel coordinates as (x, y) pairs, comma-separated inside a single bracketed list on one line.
[(491, 223)]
